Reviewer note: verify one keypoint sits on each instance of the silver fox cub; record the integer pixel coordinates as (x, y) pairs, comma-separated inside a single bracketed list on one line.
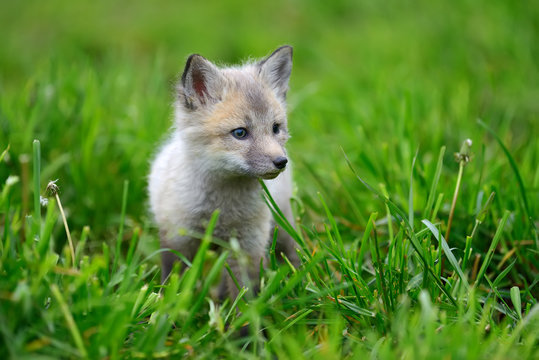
[(230, 130)]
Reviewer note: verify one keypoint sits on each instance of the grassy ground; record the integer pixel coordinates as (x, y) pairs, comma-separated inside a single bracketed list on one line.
[(382, 96)]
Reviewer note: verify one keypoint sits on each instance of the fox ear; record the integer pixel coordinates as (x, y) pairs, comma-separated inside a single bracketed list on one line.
[(201, 83), (276, 69)]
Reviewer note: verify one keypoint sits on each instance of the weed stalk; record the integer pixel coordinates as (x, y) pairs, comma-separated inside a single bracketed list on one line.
[(463, 157), (52, 189)]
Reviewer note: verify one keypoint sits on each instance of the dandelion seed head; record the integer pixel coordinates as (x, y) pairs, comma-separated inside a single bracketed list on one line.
[(52, 188)]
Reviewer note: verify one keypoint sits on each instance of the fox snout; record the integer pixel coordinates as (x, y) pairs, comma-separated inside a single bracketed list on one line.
[(280, 162), (267, 166)]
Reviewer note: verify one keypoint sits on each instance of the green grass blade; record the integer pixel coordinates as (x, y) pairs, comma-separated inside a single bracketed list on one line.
[(193, 273), (447, 251), (208, 282), (365, 240), (37, 188), (300, 315), (273, 258), (4, 153), (503, 274), (517, 303), (132, 245), (434, 185), (119, 239), (492, 248), (72, 326), (411, 192), (514, 167), (333, 223), (380, 276), (280, 218)]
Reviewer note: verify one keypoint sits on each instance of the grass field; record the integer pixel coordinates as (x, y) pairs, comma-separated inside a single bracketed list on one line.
[(383, 94)]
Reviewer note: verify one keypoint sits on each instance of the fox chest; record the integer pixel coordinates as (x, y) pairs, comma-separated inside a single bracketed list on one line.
[(239, 211)]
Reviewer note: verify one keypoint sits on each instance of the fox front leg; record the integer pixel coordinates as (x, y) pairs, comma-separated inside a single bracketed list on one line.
[(186, 246)]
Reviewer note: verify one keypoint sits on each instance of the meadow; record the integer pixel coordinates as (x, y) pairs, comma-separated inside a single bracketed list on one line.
[(413, 245)]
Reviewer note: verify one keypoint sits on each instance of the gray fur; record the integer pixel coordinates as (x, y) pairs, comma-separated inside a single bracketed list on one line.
[(201, 82), (276, 69)]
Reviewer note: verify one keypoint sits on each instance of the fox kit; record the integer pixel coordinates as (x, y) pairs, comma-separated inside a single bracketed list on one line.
[(230, 131)]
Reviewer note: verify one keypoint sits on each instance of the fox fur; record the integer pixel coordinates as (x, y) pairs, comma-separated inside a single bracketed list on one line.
[(230, 130)]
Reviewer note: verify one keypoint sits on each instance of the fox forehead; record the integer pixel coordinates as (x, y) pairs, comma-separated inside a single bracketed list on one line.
[(247, 102)]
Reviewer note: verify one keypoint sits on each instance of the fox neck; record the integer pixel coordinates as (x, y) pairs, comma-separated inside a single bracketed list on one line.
[(220, 180)]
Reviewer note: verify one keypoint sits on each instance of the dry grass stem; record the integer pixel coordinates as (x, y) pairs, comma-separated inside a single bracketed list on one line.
[(53, 189)]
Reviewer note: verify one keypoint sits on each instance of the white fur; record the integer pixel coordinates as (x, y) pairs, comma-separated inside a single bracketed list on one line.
[(196, 173)]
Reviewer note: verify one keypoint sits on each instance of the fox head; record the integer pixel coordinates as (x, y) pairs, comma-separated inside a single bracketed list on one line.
[(234, 119)]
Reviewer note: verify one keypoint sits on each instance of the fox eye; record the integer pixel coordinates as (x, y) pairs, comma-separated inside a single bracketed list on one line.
[(239, 133), (276, 128)]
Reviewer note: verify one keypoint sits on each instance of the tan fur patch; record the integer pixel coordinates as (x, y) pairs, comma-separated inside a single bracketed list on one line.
[(227, 115)]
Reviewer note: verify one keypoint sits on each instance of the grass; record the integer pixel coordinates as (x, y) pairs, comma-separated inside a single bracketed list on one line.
[(382, 96)]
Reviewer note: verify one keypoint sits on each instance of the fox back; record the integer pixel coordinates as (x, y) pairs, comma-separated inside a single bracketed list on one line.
[(230, 131)]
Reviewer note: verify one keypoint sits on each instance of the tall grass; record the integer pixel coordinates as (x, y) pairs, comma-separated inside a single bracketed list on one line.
[(381, 98)]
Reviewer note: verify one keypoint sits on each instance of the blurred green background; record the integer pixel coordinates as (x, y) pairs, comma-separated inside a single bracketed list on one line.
[(94, 82)]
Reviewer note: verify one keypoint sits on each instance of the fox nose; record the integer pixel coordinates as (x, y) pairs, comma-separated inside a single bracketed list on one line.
[(280, 162)]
